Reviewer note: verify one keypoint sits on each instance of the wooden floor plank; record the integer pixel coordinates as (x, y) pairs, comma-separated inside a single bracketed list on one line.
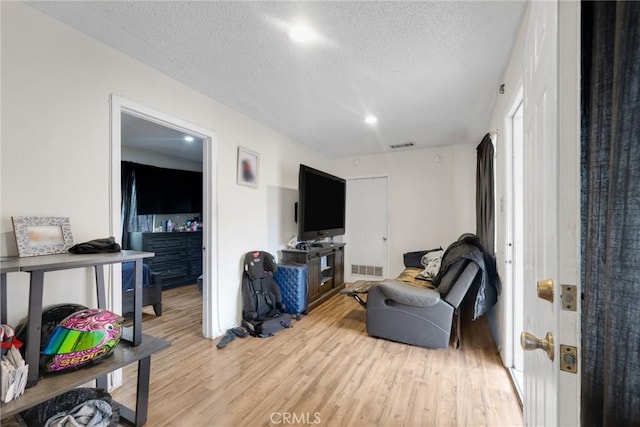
[(324, 371)]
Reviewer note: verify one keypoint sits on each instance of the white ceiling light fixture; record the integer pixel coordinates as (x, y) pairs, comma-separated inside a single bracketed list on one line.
[(302, 33), (188, 138), (371, 120)]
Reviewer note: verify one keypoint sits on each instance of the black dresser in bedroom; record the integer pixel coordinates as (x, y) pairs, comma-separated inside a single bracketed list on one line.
[(178, 255)]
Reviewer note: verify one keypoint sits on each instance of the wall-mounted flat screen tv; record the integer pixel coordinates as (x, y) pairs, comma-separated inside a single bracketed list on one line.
[(321, 204)]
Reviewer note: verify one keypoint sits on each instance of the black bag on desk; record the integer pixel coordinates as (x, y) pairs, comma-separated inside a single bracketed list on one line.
[(96, 246), (263, 313)]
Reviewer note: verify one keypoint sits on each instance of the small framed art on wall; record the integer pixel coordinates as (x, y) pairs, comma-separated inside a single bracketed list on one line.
[(248, 167)]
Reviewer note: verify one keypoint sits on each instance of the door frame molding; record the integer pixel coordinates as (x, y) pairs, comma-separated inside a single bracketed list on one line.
[(569, 224), (210, 305), (508, 140)]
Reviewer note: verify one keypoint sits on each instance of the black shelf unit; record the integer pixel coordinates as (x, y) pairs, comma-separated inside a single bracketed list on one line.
[(133, 347)]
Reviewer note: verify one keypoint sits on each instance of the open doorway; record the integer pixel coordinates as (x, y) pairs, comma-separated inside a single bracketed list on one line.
[(161, 188), (514, 236), (122, 108)]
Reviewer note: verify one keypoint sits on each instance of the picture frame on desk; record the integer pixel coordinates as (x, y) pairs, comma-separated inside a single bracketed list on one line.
[(46, 235), (248, 167)]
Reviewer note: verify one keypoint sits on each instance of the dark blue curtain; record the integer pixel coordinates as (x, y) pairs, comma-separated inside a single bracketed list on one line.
[(611, 213), (131, 221), (127, 182)]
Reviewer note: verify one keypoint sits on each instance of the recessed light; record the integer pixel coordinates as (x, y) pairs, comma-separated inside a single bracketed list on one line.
[(302, 34), (188, 138), (372, 120)]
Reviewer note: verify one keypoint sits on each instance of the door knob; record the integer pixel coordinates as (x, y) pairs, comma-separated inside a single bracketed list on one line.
[(530, 342), (384, 238)]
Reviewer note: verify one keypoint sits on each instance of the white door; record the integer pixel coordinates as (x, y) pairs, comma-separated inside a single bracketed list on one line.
[(366, 229), (551, 225)]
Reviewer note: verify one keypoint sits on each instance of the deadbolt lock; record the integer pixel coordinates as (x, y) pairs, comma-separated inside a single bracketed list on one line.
[(545, 290)]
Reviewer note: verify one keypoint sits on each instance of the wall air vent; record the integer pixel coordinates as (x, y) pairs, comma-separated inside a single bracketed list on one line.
[(405, 145), (366, 270)]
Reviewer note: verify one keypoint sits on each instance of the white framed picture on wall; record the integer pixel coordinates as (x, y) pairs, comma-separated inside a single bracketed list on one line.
[(248, 164)]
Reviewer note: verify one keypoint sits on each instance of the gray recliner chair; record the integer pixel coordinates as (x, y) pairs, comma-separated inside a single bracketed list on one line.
[(420, 316)]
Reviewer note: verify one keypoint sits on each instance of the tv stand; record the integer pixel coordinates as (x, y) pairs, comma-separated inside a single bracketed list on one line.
[(325, 269)]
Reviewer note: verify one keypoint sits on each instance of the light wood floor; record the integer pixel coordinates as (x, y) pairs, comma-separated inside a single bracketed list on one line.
[(324, 371)]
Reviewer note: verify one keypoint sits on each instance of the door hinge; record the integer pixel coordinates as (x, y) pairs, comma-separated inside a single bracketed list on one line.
[(568, 358)]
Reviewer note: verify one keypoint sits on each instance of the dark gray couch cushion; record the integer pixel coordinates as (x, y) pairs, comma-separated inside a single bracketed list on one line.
[(463, 284), (409, 295), (451, 276)]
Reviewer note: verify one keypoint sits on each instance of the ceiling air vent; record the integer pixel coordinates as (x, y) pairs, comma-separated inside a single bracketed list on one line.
[(405, 145)]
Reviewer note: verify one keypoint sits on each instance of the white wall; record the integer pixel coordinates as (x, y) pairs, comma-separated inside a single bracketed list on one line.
[(512, 80), (56, 84), (431, 202)]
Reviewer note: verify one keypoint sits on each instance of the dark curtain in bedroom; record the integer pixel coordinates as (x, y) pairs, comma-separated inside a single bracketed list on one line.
[(127, 179), (131, 221), (611, 213), (485, 204)]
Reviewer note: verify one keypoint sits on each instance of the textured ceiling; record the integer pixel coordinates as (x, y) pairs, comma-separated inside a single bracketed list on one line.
[(429, 71)]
